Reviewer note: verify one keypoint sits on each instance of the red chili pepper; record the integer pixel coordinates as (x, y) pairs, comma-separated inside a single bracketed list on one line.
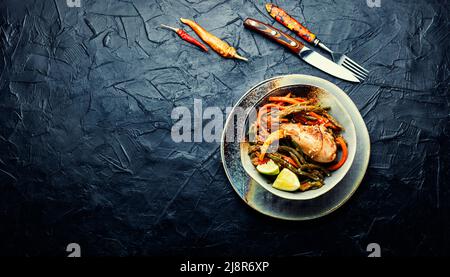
[(185, 36)]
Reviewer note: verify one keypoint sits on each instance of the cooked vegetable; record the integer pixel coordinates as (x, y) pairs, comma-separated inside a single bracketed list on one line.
[(292, 156), (299, 108), (298, 158), (285, 99), (308, 139), (218, 45), (290, 160), (344, 156), (280, 161), (310, 185)]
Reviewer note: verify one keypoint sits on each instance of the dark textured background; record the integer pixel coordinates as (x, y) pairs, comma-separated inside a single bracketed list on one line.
[(86, 154)]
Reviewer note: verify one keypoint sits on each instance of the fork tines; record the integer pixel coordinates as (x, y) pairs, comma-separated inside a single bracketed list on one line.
[(357, 70)]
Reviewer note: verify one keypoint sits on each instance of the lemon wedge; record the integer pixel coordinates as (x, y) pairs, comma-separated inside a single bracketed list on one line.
[(287, 181), (269, 168)]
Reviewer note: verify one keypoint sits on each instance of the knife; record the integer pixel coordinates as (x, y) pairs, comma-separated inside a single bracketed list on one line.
[(289, 22), (300, 49)]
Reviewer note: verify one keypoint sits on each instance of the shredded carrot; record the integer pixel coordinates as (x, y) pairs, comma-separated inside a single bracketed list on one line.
[(343, 145), (319, 117), (300, 118), (300, 99), (290, 160), (332, 126), (264, 161), (284, 99), (321, 120), (305, 186)]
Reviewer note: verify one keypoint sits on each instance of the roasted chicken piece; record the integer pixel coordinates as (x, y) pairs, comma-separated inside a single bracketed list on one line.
[(315, 141)]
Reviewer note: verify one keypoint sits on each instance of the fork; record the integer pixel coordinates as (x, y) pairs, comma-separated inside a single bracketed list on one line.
[(342, 59), (339, 58)]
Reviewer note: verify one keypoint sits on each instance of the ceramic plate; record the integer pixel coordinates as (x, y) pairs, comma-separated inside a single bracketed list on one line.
[(268, 203)]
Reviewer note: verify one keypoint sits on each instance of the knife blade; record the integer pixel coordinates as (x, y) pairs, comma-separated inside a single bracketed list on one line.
[(311, 57)]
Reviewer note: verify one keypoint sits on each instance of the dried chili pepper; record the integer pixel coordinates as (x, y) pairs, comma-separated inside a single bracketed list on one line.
[(185, 36), (218, 45)]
